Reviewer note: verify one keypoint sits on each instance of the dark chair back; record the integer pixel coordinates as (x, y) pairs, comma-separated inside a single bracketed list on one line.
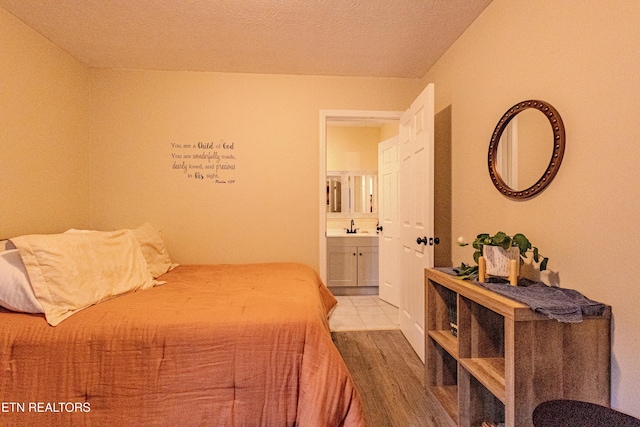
[(573, 413)]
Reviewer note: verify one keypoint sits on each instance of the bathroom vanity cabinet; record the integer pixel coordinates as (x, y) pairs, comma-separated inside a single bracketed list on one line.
[(506, 359), (352, 261)]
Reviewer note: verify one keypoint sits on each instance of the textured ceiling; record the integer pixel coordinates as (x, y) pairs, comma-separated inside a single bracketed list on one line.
[(384, 38)]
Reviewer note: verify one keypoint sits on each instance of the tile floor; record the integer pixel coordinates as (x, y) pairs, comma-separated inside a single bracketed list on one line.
[(369, 312)]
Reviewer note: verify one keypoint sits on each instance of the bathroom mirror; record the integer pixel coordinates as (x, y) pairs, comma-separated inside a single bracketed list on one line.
[(352, 194), (334, 193), (526, 149)]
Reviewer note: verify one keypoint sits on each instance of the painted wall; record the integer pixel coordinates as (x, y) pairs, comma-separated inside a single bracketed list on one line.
[(270, 211), (352, 148), (44, 134), (389, 130), (582, 57)]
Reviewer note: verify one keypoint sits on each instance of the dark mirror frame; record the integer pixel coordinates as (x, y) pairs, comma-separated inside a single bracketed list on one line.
[(556, 158)]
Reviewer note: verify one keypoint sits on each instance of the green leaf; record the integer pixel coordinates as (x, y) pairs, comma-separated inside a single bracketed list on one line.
[(466, 271), (480, 241), (536, 254), (506, 244), (543, 264), (501, 239), (523, 244)]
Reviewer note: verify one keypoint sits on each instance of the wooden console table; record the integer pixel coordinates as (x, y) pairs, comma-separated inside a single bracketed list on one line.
[(506, 359)]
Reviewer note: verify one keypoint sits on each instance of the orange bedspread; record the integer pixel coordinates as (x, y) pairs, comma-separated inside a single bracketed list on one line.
[(217, 345)]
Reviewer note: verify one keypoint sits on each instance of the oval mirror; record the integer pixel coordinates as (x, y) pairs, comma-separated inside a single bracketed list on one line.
[(526, 149)]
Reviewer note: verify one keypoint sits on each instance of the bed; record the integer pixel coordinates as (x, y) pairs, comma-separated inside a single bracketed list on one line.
[(219, 345)]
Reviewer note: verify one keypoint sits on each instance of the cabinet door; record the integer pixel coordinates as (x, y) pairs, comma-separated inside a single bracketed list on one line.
[(367, 266), (342, 263)]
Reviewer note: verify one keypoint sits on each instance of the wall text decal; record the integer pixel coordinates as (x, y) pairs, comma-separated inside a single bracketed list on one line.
[(205, 161)]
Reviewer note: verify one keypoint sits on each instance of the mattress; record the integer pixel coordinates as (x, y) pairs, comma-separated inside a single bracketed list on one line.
[(219, 345)]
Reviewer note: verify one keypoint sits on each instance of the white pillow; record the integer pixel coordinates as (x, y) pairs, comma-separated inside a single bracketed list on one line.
[(153, 250), (6, 245), (152, 247), (16, 293), (71, 271)]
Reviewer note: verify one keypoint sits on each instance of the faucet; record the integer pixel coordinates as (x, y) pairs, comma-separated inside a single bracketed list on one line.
[(352, 230)]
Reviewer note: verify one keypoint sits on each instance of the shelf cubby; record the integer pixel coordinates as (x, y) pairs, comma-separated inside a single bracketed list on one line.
[(506, 359), (442, 381)]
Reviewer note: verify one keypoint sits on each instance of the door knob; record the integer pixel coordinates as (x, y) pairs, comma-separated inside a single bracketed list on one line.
[(431, 241), (379, 228)]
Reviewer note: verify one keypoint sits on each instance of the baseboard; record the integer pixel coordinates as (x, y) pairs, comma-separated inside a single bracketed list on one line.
[(353, 290)]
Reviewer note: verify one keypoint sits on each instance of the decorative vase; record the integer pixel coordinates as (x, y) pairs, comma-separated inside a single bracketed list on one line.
[(498, 260)]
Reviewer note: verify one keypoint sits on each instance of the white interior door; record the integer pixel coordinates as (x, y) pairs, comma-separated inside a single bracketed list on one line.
[(389, 241), (416, 213)]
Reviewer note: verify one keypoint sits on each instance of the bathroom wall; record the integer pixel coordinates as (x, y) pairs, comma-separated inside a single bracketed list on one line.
[(389, 130), (352, 148)]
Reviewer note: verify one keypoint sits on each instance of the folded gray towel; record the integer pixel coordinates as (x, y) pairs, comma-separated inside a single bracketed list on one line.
[(564, 305)]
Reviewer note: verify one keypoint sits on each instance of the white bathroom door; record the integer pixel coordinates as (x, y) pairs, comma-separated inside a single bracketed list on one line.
[(416, 152), (388, 169)]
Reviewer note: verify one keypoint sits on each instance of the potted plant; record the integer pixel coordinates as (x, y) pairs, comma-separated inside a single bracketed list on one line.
[(500, 244)]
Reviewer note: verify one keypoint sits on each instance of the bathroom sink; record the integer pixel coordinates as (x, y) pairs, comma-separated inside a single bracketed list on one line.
[(343, 233)]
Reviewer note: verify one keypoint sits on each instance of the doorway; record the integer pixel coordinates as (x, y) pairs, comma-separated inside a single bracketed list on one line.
[(419, 120), (346, 118)]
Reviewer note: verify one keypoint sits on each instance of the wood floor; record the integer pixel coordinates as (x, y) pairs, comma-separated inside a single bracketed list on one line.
[(390, 379)]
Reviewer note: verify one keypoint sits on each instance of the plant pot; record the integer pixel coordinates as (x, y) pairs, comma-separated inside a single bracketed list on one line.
[(498, 260)]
